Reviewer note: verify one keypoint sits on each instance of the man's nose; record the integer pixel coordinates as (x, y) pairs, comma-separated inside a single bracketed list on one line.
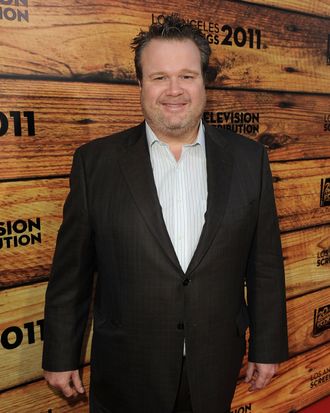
[(174, 87)]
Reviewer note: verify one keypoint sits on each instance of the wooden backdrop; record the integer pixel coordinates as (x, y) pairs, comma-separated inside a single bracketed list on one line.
[(67, 76)]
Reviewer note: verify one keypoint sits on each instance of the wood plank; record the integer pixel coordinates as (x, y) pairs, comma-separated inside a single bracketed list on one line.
[(297, 186), (316, 7), (69, 114), (302, 322), (289, 391), (21, 346), (298, 384), (291, 126), (66, 116), (38, 397), (21, 306), (292, 54), (29, 200), (306, 260)]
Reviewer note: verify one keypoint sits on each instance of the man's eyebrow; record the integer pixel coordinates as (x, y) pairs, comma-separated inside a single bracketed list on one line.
[(157, 73), (180, 72), (189, 71)]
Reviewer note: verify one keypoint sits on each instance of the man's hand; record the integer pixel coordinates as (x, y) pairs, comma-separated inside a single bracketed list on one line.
[(260, 374), (68, 382)]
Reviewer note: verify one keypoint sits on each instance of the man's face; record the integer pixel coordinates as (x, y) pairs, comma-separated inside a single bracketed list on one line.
[(172, 90)]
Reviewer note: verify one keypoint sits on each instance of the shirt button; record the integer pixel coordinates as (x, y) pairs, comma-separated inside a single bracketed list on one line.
[(186, 281), (180, 326)]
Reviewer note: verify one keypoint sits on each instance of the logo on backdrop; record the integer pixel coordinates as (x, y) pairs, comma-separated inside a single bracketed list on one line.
[(225, 34), (320, 377), (20, 233), (22, 125), (14, 10), (243, 409), (240, 122), (323, 257), (13, 336), (321, 319), (325, 192), (327, 123)]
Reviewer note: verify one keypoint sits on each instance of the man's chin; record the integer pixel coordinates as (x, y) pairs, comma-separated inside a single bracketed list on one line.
[(175, 126), (178, 124), (176, 130)]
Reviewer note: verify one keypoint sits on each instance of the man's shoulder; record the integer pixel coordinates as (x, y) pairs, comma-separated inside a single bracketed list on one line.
[(113, 142)]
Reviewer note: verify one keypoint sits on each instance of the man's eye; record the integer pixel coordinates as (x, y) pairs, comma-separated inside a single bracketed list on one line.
[(159, 78), (187, 76)]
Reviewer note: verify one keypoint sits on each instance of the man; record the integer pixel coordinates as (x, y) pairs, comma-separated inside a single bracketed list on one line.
[(175, 216)]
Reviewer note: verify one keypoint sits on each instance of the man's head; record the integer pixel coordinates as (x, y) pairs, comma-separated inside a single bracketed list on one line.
[(171, 68), (172, 28)]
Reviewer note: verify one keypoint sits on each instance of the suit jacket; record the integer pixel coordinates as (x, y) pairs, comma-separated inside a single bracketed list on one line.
[(144, 304)]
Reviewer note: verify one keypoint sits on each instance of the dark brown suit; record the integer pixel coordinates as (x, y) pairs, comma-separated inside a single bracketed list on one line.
[(143, 306)]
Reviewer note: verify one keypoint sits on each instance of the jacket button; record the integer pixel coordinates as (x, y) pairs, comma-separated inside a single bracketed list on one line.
[(180, 326), (186, 281)]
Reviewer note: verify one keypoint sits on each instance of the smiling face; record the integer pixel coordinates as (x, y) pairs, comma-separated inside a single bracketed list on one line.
[(172, 90)]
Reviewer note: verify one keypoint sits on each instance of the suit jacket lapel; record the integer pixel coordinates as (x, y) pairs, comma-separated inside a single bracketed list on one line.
[(136, 167), (219, 172)]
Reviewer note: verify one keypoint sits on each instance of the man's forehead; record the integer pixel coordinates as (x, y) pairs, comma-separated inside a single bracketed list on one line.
[(168, 43), (170, 51)]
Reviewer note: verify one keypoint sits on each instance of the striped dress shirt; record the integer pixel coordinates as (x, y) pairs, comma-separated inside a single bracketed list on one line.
[(182, 191)]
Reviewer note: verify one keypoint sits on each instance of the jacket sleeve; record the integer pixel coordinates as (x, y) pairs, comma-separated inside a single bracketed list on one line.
[(265, 280), (69, 290)]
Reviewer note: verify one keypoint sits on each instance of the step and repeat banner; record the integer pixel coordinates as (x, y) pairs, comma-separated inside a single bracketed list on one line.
[(67, 77)]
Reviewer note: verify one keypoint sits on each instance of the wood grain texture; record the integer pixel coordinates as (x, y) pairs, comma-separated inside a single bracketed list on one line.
[(300, 313), (291, 126), (19, 306), (297, 186), (30, 200), (291, 389), (93, 43), (316, 7), (303, 252), (37, 397), (68, 114), (297, 202)]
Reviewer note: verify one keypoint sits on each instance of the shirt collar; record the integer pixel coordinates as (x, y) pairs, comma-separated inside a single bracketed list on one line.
[(200, 139)]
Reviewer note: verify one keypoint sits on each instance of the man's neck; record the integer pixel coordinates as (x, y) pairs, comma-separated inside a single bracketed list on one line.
[(176, 137), (177, 140)]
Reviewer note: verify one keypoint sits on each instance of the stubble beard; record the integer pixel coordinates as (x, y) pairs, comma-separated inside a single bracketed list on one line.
[(164, 127)]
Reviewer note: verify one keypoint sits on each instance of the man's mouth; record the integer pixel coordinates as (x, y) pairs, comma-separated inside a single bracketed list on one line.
[(174, 106)]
